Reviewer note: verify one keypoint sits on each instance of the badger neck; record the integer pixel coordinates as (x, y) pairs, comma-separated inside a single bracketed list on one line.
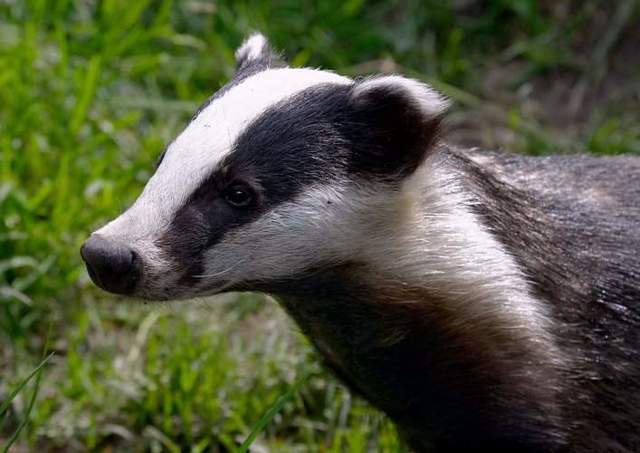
[(434, 325)]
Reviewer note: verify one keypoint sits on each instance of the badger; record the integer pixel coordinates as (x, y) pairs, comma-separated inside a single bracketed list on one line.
[(484, 301)]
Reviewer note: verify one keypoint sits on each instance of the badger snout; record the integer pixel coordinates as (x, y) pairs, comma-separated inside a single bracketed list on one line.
[(112, 265)]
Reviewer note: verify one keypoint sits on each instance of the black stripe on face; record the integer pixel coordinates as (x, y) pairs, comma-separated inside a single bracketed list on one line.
[(201, 222), (296, 143), (292, 145), (318, 135)]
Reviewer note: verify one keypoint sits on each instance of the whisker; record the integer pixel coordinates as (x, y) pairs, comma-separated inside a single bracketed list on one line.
[(217, 274)]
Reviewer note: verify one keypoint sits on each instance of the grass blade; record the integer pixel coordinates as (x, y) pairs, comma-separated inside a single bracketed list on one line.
[(22, 384), (38, 373), (273, 410)]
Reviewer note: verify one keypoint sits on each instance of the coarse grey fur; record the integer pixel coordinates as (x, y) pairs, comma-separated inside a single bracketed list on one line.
[(572, 224), (484, 301)]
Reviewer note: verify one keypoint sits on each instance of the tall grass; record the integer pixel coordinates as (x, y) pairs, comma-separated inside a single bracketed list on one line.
[(22, 385)]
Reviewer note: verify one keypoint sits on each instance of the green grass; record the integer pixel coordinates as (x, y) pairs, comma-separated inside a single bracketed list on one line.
[(21, 387), (91, 91)]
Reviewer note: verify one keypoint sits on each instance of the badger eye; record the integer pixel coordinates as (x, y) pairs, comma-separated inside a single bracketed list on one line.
[(239, 196)]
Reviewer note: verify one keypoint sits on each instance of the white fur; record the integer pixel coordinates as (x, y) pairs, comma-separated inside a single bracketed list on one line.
[(252, 47), (430, 102), (425, 236), (200, 147), (437, 242)]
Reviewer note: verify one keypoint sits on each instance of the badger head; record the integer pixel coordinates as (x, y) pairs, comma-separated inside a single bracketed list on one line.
[(282, 171)]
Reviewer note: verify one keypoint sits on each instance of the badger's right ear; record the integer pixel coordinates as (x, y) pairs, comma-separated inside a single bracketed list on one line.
[(254, 55), (397, 121)]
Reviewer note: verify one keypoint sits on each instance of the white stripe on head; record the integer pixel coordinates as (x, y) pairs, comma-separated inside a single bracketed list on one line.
[(197, 151)]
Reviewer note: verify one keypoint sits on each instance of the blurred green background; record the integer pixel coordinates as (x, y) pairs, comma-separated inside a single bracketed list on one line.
[(91, 91)]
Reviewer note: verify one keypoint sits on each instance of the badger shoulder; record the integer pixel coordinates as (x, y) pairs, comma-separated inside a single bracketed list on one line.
[(604, 182), (570, 221), (572, 226)]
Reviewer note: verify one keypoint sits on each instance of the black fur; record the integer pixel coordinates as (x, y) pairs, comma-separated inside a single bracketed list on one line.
[(445, 391), (574, 229), (451, 382), (388, 132), (318, 135), (267, 156), (571, 223)]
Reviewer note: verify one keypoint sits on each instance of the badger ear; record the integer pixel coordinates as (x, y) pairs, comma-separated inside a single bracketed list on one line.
[(399, 121), (255, 54)]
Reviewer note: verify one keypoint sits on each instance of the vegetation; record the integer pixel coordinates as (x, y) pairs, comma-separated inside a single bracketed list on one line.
[(91, 91)]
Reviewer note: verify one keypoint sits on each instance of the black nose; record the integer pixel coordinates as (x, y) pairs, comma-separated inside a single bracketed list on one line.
[(112, 265)]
